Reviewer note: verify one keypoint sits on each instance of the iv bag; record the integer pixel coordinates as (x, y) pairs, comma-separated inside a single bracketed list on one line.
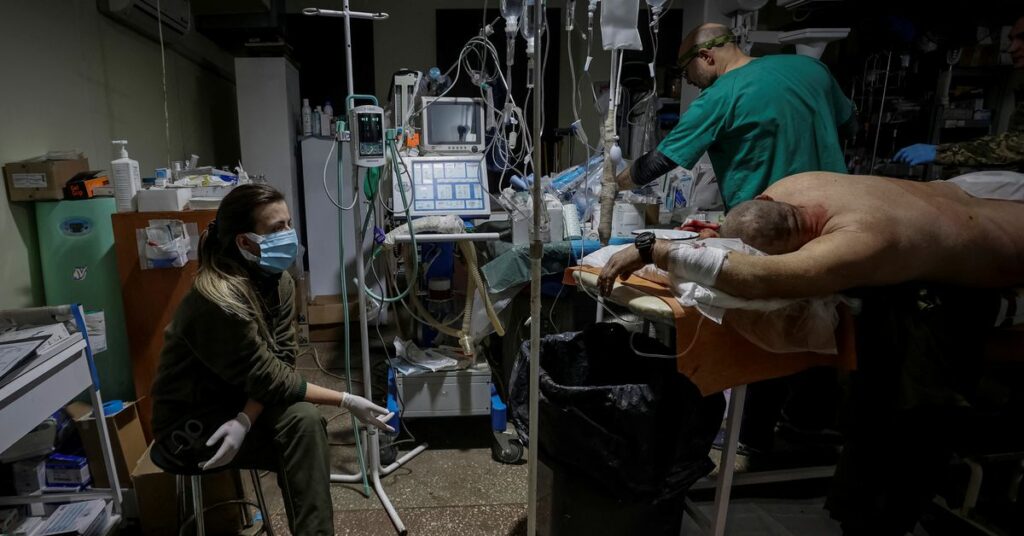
[(618, 25)]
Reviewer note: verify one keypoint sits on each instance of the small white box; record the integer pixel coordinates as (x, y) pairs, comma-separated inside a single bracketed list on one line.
[(164, 199), (29, 476)]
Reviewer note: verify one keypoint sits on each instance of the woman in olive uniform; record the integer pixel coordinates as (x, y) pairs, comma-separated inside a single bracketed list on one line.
[(226, 392)]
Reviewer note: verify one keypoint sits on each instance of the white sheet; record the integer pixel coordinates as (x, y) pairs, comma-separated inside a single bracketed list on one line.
[(1005, 185), (777, 325)]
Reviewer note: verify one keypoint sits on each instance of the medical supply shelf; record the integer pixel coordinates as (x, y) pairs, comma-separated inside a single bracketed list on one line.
[(62, 373)]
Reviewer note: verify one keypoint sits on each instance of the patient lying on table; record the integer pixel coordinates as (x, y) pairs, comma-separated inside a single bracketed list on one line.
[(827, 232)]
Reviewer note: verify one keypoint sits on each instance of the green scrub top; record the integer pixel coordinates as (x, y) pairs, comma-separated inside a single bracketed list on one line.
[(774, 117)]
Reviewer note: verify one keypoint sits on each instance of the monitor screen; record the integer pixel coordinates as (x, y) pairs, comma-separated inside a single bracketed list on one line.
[(444, 185), (371, 134), (453, 123)]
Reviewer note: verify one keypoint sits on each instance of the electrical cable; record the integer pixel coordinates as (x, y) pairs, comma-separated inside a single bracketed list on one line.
[(693, 341), (347, 334), (412, 234), (328, 192), (163, 78), (696, 332), (398, 394)]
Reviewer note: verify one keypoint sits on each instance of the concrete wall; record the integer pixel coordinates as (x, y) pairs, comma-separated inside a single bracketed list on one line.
[(74, 78)]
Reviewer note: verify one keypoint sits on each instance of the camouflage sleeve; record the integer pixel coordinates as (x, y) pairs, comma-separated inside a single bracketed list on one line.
[(998, 149)]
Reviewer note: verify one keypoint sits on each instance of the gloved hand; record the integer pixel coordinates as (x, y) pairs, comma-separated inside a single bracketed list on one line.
[(367, 412), (696, 263), (918, 153), (233, 434)]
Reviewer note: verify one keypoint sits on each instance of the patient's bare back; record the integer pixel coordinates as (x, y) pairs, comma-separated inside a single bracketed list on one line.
[(920, 230)]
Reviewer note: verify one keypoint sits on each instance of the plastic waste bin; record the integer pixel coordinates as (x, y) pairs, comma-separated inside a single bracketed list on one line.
[(622, 436)]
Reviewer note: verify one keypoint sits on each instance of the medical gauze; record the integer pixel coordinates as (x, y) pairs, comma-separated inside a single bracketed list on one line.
[(698, 264)]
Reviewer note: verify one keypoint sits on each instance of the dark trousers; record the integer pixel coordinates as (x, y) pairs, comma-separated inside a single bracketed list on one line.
[(918, 397), (289, 440), (807, 400)]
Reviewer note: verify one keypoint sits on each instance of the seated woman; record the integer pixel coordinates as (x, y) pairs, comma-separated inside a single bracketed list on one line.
[(827, 232), (226, 392)]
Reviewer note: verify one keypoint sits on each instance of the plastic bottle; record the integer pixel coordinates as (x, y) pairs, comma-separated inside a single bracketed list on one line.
[(526, 23), (656, 5), (307, 118), (316, 121), (326, 119), (511, 10), (325, 124), (681, 193), (127, 179)]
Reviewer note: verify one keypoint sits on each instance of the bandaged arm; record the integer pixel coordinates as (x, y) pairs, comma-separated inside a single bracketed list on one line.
[(825, 265)]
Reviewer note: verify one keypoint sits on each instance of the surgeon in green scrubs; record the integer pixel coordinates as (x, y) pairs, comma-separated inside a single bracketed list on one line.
[(227, 393), (759, 119)]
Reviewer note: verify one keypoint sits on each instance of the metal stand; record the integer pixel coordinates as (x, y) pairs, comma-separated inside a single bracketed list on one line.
[(727, 468), (372, 443), (536, 252)]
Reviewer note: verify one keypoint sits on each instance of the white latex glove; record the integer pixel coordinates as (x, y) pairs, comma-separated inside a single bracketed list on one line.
[(699, 264), (367, 412), (233, 434)]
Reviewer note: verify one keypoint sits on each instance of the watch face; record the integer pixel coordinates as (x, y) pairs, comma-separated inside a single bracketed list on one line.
[(645, 239)]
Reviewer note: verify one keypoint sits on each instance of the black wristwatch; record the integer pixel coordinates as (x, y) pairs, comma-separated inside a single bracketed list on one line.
[(645, 245)]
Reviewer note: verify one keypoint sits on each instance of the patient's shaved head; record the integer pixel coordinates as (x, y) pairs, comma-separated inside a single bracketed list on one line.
[(769, 226)]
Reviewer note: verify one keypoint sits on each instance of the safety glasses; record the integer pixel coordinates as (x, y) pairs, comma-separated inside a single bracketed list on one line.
[(690, 55)]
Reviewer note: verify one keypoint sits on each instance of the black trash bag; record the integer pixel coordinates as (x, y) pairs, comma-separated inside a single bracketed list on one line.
[(630, 422)]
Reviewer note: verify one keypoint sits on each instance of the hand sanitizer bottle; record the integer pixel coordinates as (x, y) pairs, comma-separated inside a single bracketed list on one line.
[(127, 179)]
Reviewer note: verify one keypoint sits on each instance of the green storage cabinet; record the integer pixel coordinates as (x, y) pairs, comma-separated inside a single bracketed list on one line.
[(76, 249)]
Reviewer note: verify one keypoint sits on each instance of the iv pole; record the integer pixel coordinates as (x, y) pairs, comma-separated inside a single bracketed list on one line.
[(536, 252), (373, 443)]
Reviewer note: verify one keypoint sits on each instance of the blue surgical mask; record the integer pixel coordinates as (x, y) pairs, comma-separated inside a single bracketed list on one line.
[(277, 250)]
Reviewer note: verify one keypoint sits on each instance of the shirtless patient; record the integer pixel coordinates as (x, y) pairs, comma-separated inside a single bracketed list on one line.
[(827, 232)]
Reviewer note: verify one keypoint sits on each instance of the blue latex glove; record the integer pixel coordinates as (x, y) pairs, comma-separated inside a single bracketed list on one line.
[(918, 153), (519, 184)]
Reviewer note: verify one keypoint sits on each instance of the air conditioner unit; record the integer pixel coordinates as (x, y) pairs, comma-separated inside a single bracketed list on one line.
[(141, 16)]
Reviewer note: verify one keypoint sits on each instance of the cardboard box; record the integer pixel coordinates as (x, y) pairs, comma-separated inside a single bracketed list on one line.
[(84, 185), (66, 470), (164, 199), (155, 493), (127, 441), (39, 178), (29, 475), (330, 333), (329, 310)]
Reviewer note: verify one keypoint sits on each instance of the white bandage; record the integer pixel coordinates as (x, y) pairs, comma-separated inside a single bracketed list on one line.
[(698, 264)]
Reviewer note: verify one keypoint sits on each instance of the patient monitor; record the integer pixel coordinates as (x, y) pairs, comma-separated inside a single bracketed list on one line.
[(367, 135), (453, 125), (443, 185)]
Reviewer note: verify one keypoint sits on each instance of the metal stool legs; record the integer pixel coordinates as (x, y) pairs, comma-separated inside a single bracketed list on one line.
[(261, 502), (186, 518)]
